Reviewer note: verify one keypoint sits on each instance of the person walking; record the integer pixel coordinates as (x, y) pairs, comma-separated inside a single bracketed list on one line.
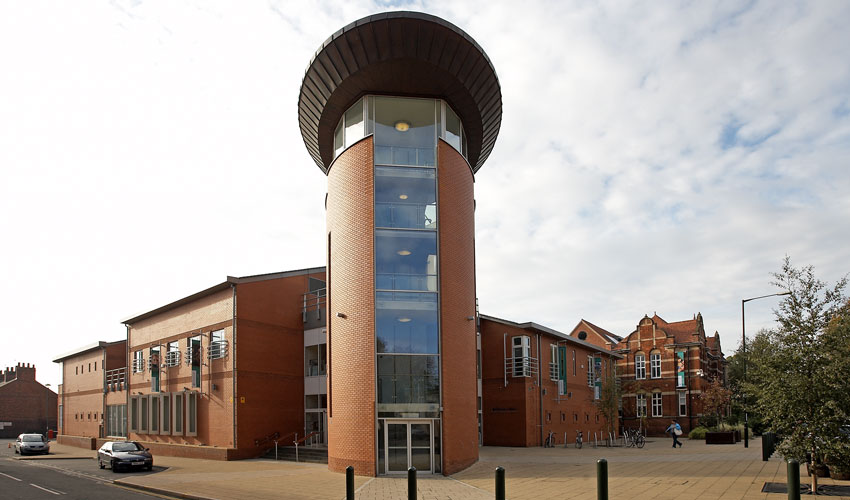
[(675, 430)]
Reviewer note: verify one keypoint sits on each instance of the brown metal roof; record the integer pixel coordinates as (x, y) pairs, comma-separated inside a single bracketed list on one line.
[(405, 54)]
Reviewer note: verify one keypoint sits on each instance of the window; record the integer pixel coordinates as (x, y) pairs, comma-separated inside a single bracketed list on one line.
[(683, 403), (177, 406), (143, 415), (134, 414), (165, 413), (218, 345), (138, 362), (193, 359), (95, 366), (656, 404), (172, 354), (553, 362), (641, 405), (192, 413), (590, 377), (116, 420), (76, 370), (640, 366), (521, 349), (314, 363), (153, 363), (154, 407), (655, 365)]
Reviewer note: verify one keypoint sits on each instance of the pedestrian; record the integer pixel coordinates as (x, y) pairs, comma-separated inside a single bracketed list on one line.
[(675, 430)]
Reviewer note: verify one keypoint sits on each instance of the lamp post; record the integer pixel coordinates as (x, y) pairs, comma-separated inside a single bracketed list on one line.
[(744, 349), (47, 410)]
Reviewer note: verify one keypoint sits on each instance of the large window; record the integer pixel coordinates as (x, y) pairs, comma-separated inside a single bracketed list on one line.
[(405, 198), (521, 356), (656, 405), (406, 260), (154, 367), (640, 404), (193, 358), (405, 131), (640, 366), (172, 355), (218, 345), (655, 365), (407, 323), (116, 420), (683, 403), (408, 379), (315, 360), (138, 361), (553, 362)]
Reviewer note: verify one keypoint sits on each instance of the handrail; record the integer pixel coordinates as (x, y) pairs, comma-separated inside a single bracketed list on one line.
[(314, 433), (271, 437)]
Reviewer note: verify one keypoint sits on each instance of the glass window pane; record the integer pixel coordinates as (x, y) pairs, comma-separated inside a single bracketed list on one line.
[(354, 123), (452, 128), (407, 326), (405, 198), (406, 260), (405, 131)]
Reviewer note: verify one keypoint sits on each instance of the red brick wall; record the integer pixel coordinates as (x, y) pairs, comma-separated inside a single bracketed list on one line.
[(457, 303), (82, 394), (270, 358), (30, 406), (351, 344)]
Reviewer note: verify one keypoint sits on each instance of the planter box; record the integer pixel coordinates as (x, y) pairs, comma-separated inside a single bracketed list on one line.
[(724, 437), (842, 474)]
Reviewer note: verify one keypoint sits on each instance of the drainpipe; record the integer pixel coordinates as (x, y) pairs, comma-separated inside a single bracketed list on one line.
[(540, 389), (128, 369), (233, 353), (105, 394)]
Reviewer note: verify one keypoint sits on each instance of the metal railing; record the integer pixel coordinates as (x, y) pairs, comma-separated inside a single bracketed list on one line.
[(313, 302), (172, 358), (138, 365), (115, 379), (217, 349), (521, 366)]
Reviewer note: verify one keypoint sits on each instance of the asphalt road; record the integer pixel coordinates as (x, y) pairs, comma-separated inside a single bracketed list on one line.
[(66, 479)]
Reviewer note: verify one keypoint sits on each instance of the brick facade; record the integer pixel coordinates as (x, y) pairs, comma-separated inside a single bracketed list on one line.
[(522, 410), (25, 404)]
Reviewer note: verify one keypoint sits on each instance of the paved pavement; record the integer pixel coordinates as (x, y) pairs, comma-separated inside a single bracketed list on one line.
[(695, 471)]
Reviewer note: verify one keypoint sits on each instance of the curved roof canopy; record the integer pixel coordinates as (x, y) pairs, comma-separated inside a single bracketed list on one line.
[(403, 54)]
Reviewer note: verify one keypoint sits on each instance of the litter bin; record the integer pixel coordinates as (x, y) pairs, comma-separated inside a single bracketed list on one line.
[(768, 445), (50, 434)]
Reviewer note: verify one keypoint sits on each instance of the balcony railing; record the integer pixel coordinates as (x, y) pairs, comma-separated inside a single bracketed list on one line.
[(313, 302), (115, 379), (172, 358), (521, 366), (217, 349)]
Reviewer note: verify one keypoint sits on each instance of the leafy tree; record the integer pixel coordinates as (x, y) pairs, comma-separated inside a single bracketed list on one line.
[(799, 372), (610, 398), (716, 399)]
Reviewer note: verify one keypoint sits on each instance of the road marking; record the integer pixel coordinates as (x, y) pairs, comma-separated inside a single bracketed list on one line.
[(57, 492), (10, 477)]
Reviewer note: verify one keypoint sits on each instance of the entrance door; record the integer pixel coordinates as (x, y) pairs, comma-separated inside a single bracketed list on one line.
[(408, 445)]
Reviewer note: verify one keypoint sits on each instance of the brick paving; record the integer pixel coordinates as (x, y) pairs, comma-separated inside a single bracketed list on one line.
[(695, 471)]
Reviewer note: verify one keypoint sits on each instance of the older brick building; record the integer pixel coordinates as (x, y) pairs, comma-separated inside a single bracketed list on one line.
[(536, 380), (25, 404), (664, 370)]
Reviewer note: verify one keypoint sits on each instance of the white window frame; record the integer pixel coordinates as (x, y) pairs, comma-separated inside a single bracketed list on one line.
[(172, 354), (683, 404), (657, 405), (640, 404), (178, 411), (138, 361), (640, 366), (218, 345), (554, 373), (655, 365), (590, 377), (520, 350)]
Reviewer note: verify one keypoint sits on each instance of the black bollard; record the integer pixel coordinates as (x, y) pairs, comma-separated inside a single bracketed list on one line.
[(793, 480), (602, 479), (349, 483), (500, 483), (411, 483)]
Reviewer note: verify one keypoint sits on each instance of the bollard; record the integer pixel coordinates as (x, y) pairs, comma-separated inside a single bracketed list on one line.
[(793, 483), (349, 482), (602, 479), (411, 483), (500, 483)]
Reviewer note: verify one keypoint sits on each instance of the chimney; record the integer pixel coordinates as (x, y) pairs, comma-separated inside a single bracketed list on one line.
[(26, 372)]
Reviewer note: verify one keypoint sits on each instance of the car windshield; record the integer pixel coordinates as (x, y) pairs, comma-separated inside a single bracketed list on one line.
[(126, 447), (34, 438)]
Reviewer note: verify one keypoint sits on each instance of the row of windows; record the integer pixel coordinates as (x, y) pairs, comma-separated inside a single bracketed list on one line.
[(654, 366), (657, 408), (167, 413), (85, 416), (82, 368)]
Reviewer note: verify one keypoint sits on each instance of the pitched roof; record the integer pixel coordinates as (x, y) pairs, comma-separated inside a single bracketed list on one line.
[(610, 337), (555, 333)]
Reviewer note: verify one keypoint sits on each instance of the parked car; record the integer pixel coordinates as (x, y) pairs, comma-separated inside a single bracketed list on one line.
[(124, 454), (31, 443)]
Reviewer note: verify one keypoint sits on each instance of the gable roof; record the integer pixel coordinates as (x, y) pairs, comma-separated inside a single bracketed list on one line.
[(555, 333), (610, 337)]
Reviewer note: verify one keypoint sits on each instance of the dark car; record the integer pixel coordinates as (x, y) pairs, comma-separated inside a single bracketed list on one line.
[(124, 454), (31, 443)]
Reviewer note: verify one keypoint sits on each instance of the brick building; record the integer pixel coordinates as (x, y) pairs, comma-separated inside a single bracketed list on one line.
[(93, 393), (598, 336), (535, 380), (664, 370), (232, 353), (25, 404)]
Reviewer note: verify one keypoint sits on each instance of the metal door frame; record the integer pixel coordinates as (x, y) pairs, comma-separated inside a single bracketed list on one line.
[(407, 422)]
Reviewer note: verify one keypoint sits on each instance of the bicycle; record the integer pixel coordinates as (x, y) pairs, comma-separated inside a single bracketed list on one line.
[(633, 438), (550, 440), (578, 439)]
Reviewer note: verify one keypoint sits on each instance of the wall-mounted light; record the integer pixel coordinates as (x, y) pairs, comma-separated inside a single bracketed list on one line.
[(341, 315), (403, 253), (215, 387), (470, 318), (404, 320), (402, 126), (402, 197)]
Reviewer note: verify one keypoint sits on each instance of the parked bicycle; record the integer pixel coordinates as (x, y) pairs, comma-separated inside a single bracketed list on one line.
[(633, 438), (550, 440), (578, 439)]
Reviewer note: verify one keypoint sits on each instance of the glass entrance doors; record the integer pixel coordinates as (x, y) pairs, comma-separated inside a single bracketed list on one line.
[(409, 444)]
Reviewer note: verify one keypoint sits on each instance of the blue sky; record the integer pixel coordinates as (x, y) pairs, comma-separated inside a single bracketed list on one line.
[(653, 157)]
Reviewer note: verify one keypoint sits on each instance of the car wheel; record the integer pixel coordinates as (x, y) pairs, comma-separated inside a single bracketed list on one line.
[(100, 464), (149, 467), (114, 467)]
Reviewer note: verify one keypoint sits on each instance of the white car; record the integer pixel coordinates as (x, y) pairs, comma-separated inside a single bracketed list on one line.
[(32, 443)]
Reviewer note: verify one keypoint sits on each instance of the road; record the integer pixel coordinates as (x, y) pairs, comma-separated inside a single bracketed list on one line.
[(60, 479)]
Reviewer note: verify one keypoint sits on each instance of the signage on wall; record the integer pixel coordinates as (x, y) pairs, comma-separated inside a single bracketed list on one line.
[(680, 368)]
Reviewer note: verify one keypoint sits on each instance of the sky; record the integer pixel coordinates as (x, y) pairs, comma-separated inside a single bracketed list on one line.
[(654, 157)]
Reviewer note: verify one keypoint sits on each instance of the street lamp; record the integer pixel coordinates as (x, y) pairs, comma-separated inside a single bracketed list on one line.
[(744, 349)]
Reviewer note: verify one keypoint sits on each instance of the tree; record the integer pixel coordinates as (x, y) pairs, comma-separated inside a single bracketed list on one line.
[(610, 399), (799, 370), (716, 399)]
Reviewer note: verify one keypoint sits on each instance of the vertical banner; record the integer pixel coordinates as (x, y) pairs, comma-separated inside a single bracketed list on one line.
[(562, 369), (680, 368), (597, 372)]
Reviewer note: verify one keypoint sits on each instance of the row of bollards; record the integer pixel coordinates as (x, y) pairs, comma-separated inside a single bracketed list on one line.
[(601, 481)]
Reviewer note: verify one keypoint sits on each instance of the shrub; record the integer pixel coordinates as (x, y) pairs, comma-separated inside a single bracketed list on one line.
[(698, 433)]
